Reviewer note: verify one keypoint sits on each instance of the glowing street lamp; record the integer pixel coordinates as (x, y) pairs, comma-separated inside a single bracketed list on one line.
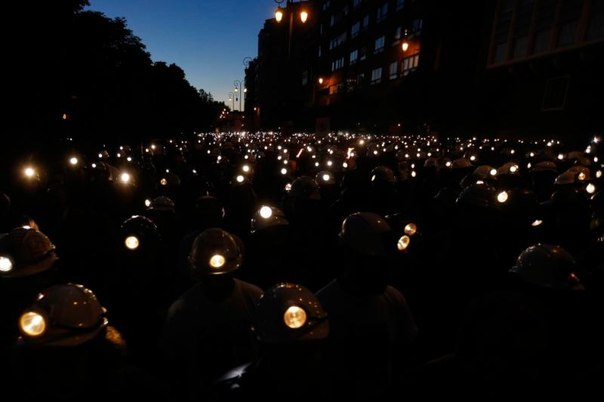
[(405, 42), (238, 91), (299, 9)]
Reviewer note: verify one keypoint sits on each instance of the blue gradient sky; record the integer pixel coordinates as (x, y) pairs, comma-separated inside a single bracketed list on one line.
[(208, 39)]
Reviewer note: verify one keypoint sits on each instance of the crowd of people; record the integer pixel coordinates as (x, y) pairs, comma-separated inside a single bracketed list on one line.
[(233, 265)]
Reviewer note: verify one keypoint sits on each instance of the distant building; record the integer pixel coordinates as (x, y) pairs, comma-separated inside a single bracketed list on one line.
[(481, 66)]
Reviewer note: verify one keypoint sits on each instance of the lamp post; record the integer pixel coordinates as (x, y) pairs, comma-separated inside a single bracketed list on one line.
[(232, 99), (291, 10), (238, 90)]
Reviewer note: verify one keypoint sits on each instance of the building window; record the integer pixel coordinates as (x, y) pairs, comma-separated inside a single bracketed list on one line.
[(365, 23), (304, 77), (382, 12), (362, 53), (351, 84), (416, 27), (360, 79), (595, 29), (354, 30), (393, 70), (570, 13), (567, 33), (409, 64), (520, 47), (356, 3), (400, 4), (353, 57), (337, 41), (398, 33), (541, 41), (376, 75), (545, 13), (337, 64), (502, 31), (379, 44)]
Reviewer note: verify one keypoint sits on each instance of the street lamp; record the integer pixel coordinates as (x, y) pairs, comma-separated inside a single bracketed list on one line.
[(289, 8), (405, 42), (231, 98), (238, 90)]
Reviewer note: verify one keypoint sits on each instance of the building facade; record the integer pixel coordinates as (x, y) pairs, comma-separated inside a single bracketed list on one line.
[(478, 66)]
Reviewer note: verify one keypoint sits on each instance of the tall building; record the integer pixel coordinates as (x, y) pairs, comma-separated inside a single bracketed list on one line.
[(545, 66), (469, 67), (283, 67)]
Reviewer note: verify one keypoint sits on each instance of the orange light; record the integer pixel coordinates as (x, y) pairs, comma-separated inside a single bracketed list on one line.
[(279, 14), (405, 46), (303, 16), (320, 80)]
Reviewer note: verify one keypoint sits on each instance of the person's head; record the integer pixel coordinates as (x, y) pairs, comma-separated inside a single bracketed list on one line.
[(268, 218), (62, 315), (25, 251), (547, 266), (139, 234), (367, 244), (289, 313), (215, 252)]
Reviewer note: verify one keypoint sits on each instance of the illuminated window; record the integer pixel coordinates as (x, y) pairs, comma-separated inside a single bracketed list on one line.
[(393, 70), (376, 75), (382, 12), (337, 64), (409, 64), (353, 56), (354, 30), (365, 23), (379, 44)]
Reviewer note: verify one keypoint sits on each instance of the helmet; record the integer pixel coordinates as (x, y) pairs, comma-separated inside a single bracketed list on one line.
[(289, 312), (566, 177), (162, 203), (305, 187), (483, 172), (139, 232), (509, 168), (216, 251), (461, 163), (25, 251), (548, 266), (545, 166), (477, 195), (582, 173), (364, 233), (63, 315), (267, 217), (382, 174)]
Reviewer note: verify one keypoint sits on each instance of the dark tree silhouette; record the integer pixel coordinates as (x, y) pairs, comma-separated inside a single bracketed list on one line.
[(76, 73)]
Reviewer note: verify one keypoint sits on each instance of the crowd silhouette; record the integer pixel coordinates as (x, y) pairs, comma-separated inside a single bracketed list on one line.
[(232, 265)]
